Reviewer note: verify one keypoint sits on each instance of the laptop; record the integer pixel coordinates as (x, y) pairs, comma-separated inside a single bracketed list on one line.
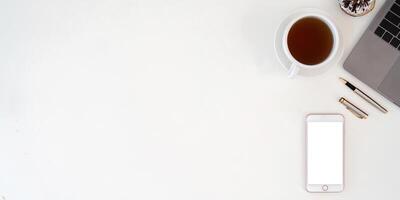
[(375, 59)]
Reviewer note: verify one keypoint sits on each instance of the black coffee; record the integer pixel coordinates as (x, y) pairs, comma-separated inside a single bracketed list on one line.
[(310, 40)]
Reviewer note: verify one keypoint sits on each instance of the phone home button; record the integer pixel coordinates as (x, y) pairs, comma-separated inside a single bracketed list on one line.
[(324, 187)]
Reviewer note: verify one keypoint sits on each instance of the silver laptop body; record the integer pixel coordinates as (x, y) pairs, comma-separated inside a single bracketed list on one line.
[(375, 59)]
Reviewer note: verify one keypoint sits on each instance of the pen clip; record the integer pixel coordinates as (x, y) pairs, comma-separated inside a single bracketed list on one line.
[(353, 109)]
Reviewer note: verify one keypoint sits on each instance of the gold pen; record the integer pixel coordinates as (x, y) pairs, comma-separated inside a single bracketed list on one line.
[(353, 109), (363, 95)]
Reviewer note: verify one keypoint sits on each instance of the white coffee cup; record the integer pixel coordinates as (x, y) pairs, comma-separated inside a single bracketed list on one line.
[(296, 66)]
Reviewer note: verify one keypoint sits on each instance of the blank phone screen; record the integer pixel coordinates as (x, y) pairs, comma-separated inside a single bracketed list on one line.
[(325, 153)]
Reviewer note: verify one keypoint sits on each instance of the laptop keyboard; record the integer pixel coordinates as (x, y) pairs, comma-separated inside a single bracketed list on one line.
[(389, 28)]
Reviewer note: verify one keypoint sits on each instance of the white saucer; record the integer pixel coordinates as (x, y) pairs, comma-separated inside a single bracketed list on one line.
[(278, 44)]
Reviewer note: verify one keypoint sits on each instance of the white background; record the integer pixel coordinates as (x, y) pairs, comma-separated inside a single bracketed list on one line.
[(173, 99)]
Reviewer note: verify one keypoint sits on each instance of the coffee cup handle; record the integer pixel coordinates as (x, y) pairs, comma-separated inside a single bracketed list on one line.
[(293, 70)]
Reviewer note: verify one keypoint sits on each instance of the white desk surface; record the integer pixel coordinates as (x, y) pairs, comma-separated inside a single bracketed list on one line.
[(173, 99)]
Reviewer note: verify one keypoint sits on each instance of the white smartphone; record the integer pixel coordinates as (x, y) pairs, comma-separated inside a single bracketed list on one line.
[(325, 153)]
